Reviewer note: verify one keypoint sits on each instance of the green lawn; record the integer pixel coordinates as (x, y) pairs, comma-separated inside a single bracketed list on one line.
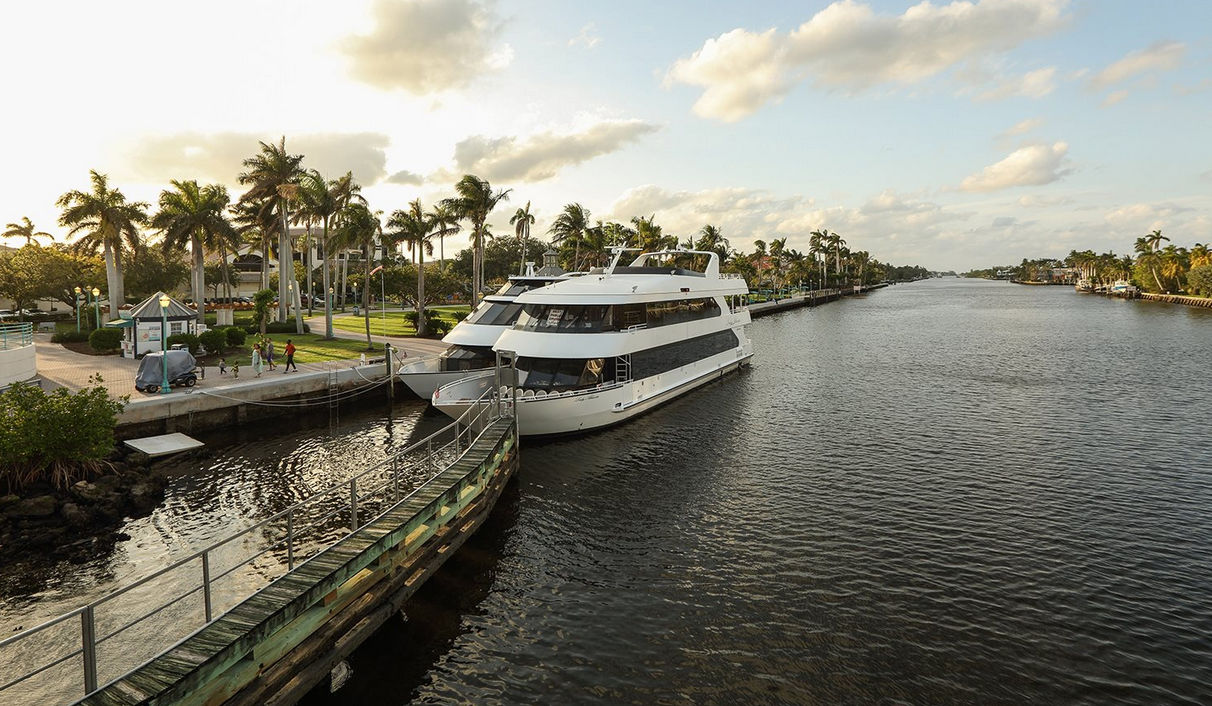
[(395, 323), (312, 348)]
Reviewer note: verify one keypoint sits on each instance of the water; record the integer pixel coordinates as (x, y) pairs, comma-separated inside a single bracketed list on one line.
[(950, 492)]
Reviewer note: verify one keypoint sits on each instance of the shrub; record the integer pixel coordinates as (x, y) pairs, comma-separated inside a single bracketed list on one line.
[(434, 325), (262, 301), (235, 336), (1199, 280), (279, 327), (106, 339), (188, 339), (58, 436), (215, 340), (70, 337)]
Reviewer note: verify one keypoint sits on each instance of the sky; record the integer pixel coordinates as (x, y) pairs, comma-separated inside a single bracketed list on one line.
[(948, 135)]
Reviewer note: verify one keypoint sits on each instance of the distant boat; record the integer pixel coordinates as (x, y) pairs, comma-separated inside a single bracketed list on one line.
[(1122, 288), (1084, 285)]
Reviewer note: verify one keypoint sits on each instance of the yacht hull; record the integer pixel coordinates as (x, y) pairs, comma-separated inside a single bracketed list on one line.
[(586, 410)]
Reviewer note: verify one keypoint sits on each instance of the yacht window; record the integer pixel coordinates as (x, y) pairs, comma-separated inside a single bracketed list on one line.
[(468, 358), (564, 373), (495, 314), (591, 318), (655, 361)]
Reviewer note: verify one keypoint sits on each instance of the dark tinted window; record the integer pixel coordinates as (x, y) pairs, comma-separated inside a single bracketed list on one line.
[(591, 318), (565, 373), (495, 314), (594, 318), (468, 358), (665, 358)]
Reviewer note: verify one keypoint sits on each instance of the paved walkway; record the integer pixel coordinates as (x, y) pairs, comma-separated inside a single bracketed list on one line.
[(65, 368)]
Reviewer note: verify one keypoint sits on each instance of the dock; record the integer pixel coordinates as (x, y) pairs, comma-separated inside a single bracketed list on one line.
[(165, 444), (814, 297), (264, 614)]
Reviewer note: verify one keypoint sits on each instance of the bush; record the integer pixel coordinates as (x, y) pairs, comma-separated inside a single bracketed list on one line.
[(57, 437), (188, 339), (235, 336), (215, 340), (434, 324), (1199, 280), (106, 339), (70, 337)]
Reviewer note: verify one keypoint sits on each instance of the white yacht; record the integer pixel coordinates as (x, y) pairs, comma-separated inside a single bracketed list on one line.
[(602, 348), (470, 341)]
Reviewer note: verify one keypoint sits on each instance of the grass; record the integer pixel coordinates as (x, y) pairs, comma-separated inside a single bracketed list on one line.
[(396, 324)]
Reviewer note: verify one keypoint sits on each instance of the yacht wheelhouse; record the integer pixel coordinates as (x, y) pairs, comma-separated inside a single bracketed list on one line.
[(602, 348)]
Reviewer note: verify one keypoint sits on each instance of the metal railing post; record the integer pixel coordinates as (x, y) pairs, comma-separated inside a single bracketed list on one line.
[(206, 583), (89, 635), (395, 479), (353, 504), (290, 540)]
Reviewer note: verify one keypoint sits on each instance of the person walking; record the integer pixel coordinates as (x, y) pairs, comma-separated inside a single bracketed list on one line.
[(258, 364), (290, 357), (269, 353)]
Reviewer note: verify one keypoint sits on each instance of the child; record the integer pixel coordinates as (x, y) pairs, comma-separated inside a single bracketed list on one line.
[(222, 366)]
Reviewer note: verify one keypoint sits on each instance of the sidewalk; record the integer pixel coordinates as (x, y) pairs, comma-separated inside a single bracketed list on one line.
[(64, 368)]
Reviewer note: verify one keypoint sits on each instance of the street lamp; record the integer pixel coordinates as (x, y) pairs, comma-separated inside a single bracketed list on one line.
[(290, 297), (164, 340), (78, 291), (97, 306), (331, 301)]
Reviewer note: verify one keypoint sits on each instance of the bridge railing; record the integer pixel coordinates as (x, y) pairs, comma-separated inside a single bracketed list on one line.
[(83, 649)]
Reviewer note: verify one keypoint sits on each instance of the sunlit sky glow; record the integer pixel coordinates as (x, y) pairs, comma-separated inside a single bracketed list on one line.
[(951, 135)]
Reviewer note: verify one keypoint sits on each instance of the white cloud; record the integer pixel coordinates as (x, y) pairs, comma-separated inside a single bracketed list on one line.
[(1160, 56), (406, 178), (847, 45), (1113, 98), (1033, 84), (219, 157), (426, 46), (1183, 91), (1033, 201), (1032, 165), (585, 37), (1023, 127), (542, 155)]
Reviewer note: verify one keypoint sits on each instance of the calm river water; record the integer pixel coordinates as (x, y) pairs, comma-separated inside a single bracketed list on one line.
[(949, 492)]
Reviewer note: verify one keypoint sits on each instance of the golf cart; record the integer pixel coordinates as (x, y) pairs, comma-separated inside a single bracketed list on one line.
[(182, 370)]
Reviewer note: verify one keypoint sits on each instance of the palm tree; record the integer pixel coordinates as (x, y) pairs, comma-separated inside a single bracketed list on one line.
[(320, 201), (197, 216), (570, 226), (648, 234), (358, 228), (521, 221), (447, 223), (273, 175), (1146, 248), (711, 238), (418, 229), (475, 200), (104, 218), (26, 230), (835, 241)]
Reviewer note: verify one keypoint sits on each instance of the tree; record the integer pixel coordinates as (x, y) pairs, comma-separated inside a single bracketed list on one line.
[(321, 200), (153, 269), (415, 227), (220, 277), (402, 280), (104, 219), (712, 240), (25, 229), (273, 175), (196, 215), (447, 223), (474, 202), (570, 227), (521, 221), (358, 229)]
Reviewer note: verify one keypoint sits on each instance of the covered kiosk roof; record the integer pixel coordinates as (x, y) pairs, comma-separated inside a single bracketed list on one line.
[(149, 309)]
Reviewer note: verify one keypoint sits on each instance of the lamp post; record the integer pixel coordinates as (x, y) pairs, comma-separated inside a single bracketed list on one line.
[(97, 306), (331, 301), (78, 291), (290, 297), (164, 340)]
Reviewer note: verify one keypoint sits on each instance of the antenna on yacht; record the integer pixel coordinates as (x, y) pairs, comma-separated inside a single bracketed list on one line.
[(618, 251), (530, 269)]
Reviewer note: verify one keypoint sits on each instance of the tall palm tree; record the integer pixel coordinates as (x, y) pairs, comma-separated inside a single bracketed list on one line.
[(474, 201), (197, 216), (711, 238), (359, 226), (521, 221), (649, 235), (418, 229), (257, 226), (104, 219), (320, 201), (447, 223), (26, 230), (570, 226), (271, 175), (1146, 251)]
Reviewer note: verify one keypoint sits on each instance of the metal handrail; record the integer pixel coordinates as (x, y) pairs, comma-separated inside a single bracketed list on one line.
[(477, 417), (19, 335)]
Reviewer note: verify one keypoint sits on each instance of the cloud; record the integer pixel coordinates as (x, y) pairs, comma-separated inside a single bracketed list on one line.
[(1004, 221), (1033, 84), (1183, 91), (219, 157), (426, 46), (1032, 165), (543, 155), (406, 177), (1113, 98), (1022, 127), (1206, 176), (850, 47), (1160, 56), (585, 38), (1033, 201)]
